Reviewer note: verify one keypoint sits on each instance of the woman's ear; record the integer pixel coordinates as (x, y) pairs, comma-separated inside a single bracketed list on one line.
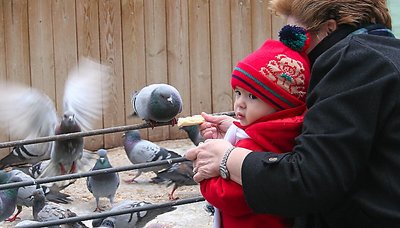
[(329, 26)]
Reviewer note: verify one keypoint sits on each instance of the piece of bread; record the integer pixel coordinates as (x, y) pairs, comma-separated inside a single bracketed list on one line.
[(190, 120)]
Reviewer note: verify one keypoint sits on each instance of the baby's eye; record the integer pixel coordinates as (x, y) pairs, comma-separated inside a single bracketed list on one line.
[(238, 93), (251, 96)]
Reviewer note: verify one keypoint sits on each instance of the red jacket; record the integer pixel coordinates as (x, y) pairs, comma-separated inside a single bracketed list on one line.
[(274, 133)]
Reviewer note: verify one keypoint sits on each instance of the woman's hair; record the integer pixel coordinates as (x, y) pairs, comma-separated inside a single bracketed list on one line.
[(312, 13)]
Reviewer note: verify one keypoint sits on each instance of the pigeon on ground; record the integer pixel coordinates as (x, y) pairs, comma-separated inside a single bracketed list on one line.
[(24, 199), (193, 133), (8, 197), (157, 103), (139, 151), (44, 211), (30, 113), (137, 219), (179, 174), (103, 185)]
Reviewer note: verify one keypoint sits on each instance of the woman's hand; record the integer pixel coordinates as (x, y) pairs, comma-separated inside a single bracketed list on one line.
[(215, 127), (207, 158)]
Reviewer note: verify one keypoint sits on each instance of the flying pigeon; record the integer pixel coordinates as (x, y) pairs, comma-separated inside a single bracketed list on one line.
[(137, 219), (179, 174), (30, 113), (103, 185), (44, 211), (24, 199), (157, 103), (8, 197), (139, 151), (193, 133)]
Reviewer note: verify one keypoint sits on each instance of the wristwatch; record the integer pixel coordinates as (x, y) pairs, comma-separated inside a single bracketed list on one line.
[(223, 170)]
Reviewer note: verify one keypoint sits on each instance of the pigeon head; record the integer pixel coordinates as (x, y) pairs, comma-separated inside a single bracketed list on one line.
[(132, 135), (38, 202), (68, 124), (165, 103), (102, 155)]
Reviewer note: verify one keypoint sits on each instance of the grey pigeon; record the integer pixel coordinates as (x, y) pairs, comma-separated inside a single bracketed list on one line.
[(137, 219), (24, 199), (140, 151), (31, 114), (157, 103), (193, 133), (105, 184), (44, 211), (179, 174), (8, 197)]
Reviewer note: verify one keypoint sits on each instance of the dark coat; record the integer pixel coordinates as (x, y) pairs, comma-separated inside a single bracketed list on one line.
[(344, 171)]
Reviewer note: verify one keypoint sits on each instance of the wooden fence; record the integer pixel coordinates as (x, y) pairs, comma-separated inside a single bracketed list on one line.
[(190, 44)]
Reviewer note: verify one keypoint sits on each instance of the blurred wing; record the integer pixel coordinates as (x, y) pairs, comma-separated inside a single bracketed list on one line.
[(87, 92), (27, 112)]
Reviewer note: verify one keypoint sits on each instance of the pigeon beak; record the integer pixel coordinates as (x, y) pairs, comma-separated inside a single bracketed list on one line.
[(170, 99)]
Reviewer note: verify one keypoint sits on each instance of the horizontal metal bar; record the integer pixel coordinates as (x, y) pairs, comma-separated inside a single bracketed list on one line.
[(113, 213), (89, 133), (90, 173)]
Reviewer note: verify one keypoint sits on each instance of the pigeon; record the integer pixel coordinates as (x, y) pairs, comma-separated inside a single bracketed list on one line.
[(179, 174), (30, 114), (44, 211), (193, 133), (24, 199), (157, 103), (139, 151), (103, 185), (8, 197), (136, 219)]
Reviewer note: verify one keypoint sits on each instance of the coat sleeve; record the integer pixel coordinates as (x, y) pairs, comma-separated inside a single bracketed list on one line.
[(227, 195), (336, 142)]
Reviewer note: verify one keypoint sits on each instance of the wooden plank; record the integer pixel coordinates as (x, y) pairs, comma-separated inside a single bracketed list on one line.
[(65, 48), (241, 30), (261, 22), (200, 56), (156, 53), (41, 46), (221, 61), (4, 136), (111, 54), (87, 21), (277, 23), (134, 57), (17, 41), (178, 56)]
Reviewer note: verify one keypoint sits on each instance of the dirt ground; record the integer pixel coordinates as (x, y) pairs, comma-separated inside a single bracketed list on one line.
[(184, 216)]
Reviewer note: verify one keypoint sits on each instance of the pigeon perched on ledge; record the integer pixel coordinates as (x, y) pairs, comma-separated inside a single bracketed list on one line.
[(157, 103), (140, 151)]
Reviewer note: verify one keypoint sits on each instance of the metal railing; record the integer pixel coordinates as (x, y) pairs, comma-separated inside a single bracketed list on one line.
[(97, 172)]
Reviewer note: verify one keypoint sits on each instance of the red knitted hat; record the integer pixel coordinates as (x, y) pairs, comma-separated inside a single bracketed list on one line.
[(279, 71)]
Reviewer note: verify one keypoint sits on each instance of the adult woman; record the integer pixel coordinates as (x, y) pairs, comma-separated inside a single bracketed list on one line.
[(343, 170)]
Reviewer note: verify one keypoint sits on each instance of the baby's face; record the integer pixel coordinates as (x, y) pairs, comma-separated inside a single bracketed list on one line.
[(248, 108)]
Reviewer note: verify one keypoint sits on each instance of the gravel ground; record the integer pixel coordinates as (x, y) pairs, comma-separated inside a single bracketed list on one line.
[(184, 216)]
